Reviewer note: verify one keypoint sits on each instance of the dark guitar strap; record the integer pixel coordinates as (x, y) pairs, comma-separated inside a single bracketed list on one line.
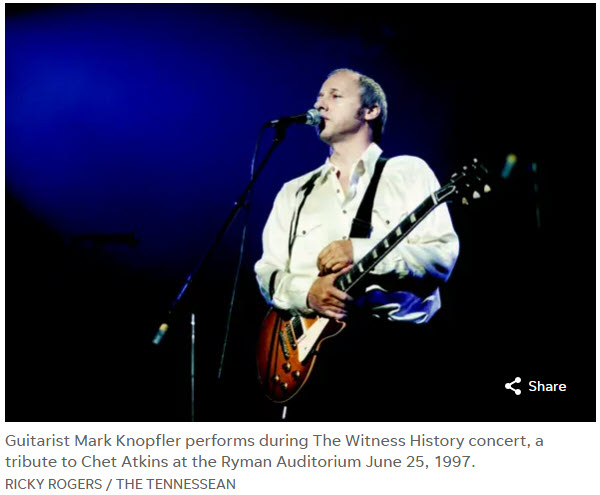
[(361, 225)]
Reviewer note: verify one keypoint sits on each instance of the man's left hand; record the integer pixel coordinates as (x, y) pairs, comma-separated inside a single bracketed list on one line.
[(335, 256)]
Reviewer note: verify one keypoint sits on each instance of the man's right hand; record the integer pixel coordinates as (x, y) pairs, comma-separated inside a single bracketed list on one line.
[(328, 300)]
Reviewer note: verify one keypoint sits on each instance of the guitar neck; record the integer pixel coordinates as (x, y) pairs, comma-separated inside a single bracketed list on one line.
[(349, 280)]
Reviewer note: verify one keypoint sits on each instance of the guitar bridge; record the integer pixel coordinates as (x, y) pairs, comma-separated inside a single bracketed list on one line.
[(284, 346), (290, 335)]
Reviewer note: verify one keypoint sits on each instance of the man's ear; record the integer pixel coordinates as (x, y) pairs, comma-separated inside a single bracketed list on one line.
[(373, 112)]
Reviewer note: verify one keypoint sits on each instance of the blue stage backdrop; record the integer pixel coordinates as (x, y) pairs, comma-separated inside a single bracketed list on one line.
[(142, 119)]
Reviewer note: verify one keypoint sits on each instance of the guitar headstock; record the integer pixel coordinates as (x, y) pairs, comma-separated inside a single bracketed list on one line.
[(467, 184)]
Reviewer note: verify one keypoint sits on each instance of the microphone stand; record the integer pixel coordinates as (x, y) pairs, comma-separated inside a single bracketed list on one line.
[(242, 201)]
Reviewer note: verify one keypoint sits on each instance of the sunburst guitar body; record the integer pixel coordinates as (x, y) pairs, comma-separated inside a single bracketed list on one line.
[(287, 350)]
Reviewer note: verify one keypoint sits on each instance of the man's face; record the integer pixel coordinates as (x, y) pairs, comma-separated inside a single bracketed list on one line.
[(339, 104)]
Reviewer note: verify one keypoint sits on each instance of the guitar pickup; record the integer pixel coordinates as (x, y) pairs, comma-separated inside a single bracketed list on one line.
[(298, 329)]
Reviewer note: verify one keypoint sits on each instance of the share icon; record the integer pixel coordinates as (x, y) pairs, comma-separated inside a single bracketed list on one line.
[(508, 386)]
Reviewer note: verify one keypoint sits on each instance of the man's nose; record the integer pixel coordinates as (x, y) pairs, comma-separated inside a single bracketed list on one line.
[(320, 104)]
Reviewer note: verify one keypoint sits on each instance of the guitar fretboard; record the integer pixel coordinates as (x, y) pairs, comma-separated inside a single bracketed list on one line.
[(347, 281)]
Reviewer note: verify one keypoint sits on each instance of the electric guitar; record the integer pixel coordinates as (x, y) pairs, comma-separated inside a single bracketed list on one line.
[(288, 343)]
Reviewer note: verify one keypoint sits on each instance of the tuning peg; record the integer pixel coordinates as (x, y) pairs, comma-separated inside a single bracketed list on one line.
[(486, 189), (464, 201)]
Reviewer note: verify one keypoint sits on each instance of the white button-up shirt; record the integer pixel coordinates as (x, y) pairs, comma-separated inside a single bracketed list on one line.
[(424, 259)]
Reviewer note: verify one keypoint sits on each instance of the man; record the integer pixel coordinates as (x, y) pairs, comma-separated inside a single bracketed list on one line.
[(307, 242)]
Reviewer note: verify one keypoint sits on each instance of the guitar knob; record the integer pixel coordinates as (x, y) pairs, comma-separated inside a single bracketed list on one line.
[(284, 386), (287, 367), (296, 375), (276, 378)]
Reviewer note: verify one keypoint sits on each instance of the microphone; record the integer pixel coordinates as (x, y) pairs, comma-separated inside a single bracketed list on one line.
[(312, 117)]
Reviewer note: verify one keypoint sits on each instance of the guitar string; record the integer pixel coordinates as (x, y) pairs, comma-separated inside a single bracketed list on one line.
[(392, 245)]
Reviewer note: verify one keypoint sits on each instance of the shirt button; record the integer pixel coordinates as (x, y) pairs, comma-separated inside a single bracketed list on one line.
[(344, 212), (337, 191), (344, 238), (387, 222), (304, 232)]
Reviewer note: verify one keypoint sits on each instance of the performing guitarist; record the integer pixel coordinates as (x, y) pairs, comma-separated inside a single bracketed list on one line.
[(309, 241)]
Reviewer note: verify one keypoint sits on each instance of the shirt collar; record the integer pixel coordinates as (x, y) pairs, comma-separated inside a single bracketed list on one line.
[(368, 158)]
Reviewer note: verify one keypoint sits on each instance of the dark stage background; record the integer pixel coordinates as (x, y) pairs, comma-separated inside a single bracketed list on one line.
[(143, 118)]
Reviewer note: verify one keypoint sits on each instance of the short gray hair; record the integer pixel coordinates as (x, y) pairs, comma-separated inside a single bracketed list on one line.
[(371, 94)]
